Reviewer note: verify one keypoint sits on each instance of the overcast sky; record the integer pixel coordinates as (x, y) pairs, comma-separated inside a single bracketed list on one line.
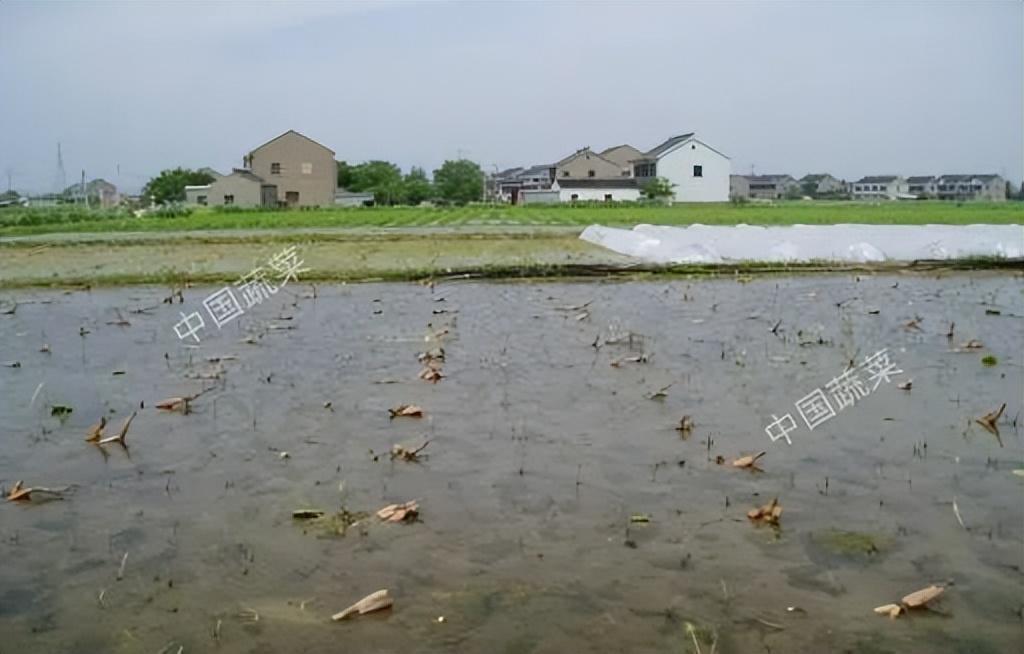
[(845, 87)]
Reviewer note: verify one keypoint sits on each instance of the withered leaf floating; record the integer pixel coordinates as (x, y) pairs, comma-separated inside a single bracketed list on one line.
[(406, 410), (19, 492), (96, 431), (769, 513), (120, 438), (399, 512), (431, 374), (891, 610), (372, 602), (917, 599), (921, 597), (406, 454), (748, 461), (989, 420), (973, 344)]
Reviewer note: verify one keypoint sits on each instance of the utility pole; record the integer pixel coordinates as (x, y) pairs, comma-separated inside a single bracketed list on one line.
[(61, 177), (85, 200)]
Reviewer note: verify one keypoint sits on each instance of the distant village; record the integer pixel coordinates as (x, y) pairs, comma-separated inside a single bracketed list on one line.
[(293, 170)]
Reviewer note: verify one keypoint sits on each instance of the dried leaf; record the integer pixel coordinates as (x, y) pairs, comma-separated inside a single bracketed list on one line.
[(923, 596), (748, 461), (307, 514), (372, 602), (639, 517), (989, 420), (973, 344), (906, 386), (431, 374), (406, 454), (891, 610), (407, 410), (685, 425), (96, 431), (171, 403), (399, 512), (19, 492), (769, 513), (120, 438)]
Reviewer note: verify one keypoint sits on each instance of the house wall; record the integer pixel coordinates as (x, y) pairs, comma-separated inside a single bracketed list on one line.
[(739, 186), (538, 197), (677, 167), (829, 184), (880, 190), (622, 156), (247, 192), (315, 187), (583, 162), (598, 194), (993, 191)]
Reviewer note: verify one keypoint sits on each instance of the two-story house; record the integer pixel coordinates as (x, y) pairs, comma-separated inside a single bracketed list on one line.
[(822, 184), (696, 171), (303, 170), (880, 187), (772, 187), (990, 188), (587, 164), (922, 186)]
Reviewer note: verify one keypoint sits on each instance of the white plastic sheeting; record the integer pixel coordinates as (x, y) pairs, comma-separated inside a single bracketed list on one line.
[(848, 243)]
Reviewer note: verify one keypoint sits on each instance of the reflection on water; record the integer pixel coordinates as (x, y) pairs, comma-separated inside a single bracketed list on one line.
[(540, 453)]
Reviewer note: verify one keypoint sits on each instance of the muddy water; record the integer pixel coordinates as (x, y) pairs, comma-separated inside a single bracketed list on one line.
[(540, 453)]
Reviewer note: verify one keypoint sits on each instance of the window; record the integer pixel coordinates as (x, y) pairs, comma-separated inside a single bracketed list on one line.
[(229, 199), (698, 171), (607, 197), (275, 168), (575, 196), (565, 173), (590, 173), (291, 197), (201, 199), (307, 168)]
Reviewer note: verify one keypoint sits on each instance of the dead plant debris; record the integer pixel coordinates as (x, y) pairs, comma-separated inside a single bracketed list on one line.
[(990, 420), (748, 461), (407, 454), (373, 602), (769, 513), (916, 600), (405, 512), (406, 410)]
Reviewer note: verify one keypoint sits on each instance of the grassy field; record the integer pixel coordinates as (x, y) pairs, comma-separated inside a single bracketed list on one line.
[(17, 222)]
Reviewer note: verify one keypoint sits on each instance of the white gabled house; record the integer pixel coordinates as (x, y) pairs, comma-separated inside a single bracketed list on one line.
[(698, 172)]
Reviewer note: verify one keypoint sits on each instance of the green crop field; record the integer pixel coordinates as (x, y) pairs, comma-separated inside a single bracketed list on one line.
[(15, 222)]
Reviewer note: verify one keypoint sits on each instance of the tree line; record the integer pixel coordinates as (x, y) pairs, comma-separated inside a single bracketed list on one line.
[(456, 182)]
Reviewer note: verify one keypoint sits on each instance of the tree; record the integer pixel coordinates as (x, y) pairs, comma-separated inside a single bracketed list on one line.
[(459, 181), (417, 187), (344, 175), (169, 185), (382, 178), (659, 188)]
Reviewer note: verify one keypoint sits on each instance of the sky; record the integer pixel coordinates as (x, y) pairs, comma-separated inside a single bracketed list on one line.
[(850, 88)]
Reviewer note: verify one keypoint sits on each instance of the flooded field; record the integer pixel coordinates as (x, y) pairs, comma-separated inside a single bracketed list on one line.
[(560, 508)]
